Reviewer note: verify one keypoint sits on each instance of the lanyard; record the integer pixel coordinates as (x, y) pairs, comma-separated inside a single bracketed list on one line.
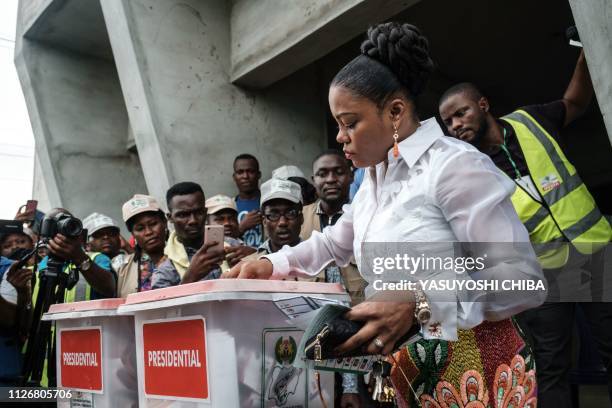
[(505, 149)]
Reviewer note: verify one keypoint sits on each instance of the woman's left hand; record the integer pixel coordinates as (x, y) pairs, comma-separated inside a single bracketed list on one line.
[(384, 320)]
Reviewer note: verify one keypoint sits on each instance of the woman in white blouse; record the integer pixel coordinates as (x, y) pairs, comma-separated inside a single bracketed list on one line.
[(421, 187)]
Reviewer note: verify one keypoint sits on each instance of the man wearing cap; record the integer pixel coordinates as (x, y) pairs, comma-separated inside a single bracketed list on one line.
[(332, 178), (222, 210), (293, 173), (147, 222), (281, 206), (103, 234), (12, 242), (189, 259)]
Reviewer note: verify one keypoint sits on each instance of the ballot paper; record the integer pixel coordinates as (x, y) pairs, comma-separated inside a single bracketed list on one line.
[(300, 305)]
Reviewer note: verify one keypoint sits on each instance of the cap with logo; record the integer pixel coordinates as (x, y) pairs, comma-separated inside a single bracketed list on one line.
[(220, 202), (139, 204), (278, 188), (95, 222), (284, 172)]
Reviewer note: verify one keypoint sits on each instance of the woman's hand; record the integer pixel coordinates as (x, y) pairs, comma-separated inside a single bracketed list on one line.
[(386, 321), (260, 269)]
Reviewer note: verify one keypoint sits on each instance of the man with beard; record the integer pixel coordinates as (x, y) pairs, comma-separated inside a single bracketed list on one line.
[(281, 208), (557, 210)]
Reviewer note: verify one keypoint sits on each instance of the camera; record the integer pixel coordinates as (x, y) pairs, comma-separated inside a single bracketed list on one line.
[(61, 223)]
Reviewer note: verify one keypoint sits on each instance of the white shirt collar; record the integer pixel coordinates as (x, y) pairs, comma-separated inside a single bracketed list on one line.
[(413, 147)]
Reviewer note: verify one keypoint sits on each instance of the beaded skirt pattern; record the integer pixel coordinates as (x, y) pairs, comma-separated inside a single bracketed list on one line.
[(490, 366)]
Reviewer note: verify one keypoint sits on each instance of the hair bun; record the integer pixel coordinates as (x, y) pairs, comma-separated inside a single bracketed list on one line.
[(403, 49)]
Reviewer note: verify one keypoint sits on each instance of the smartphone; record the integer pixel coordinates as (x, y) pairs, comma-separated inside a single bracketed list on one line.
[(214, 233), (31, 206)]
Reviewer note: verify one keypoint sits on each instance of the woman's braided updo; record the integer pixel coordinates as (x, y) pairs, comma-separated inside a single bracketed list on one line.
[(395, 57)]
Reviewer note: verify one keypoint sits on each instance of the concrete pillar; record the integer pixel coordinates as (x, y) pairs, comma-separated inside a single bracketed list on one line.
[(594, 21), (188, 120), (80, 126)]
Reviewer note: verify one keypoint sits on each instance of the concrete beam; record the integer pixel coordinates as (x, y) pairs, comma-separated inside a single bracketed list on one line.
[(272, 39), (594, 21), (75, 25), (30, 11)]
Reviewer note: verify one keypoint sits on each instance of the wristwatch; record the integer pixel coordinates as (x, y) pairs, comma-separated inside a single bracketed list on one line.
[(422, 311), (85, 265)]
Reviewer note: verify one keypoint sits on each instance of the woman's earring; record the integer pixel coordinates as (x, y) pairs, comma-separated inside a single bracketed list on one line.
[(395, 146)]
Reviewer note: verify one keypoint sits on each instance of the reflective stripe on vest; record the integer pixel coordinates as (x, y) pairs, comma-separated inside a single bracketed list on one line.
[(82, 290), (574, 212)]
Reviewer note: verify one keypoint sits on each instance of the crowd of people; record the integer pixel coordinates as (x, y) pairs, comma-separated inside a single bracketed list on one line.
[(398, 179)]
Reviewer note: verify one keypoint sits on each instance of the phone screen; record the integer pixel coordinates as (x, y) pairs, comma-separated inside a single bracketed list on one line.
[(214, 233)]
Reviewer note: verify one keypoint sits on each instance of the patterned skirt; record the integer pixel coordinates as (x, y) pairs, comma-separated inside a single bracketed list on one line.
[(490, 365)]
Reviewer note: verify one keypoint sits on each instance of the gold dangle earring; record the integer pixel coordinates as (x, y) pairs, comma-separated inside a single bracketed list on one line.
[(395, 146)]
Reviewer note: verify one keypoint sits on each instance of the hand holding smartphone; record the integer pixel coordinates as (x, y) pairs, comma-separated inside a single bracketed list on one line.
[(214, 233), (27, 212)]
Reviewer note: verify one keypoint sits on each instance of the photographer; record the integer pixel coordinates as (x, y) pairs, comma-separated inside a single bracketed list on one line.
[(99, 278)]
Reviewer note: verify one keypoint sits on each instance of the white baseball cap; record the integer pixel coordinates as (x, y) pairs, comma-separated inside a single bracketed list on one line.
[(278, 188), (284, 172), (220, 202), (96, 221), (138, 204)]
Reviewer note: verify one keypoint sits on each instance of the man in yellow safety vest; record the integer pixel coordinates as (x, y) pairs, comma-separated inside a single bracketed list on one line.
[(563, 220)]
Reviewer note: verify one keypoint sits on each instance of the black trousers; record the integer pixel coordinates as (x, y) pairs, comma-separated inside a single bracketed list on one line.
[(550, 329)]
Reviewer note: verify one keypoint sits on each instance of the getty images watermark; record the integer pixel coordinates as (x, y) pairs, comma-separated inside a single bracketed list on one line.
[(423, 266), (479, 271)]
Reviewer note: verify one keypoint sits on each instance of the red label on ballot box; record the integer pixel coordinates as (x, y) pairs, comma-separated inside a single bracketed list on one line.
[(81, 359), (175, 365)]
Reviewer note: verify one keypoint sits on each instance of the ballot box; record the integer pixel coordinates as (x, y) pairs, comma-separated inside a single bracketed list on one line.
[(227, 343), (95, 354)]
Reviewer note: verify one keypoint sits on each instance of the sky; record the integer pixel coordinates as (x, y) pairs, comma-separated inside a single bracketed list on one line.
[(16, 139)]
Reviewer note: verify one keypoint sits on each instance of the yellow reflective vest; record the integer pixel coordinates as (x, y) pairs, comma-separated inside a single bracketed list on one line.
[(81, 291), (568, 212)]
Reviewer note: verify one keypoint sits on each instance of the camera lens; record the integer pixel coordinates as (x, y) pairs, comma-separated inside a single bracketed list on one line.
[(70, 227)]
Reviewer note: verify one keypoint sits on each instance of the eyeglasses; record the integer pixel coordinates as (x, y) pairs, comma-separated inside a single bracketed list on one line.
[(289, 215)]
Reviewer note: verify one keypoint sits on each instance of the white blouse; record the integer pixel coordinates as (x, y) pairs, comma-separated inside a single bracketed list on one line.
[(438, 189)]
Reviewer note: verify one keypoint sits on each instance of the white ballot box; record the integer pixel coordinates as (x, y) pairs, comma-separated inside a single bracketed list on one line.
[(227, 343), (95, 354)]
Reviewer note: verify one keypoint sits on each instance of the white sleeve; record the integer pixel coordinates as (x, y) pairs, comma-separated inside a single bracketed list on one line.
[(475, 196), (335, 243)]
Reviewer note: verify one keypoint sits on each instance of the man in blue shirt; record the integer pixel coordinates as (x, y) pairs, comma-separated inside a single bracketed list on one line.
[(246, 176)]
